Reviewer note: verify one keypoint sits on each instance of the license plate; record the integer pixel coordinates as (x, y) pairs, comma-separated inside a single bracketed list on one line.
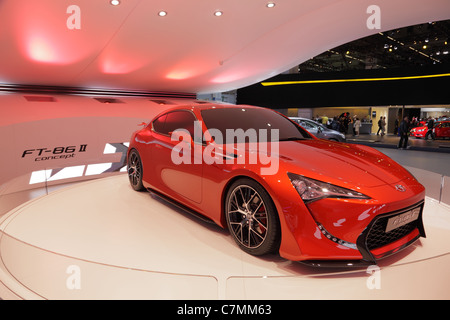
[(402, 219)]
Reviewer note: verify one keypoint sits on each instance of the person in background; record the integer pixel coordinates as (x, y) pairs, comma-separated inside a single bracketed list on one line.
[(396, 126), (403, 131), (356, 126), (347, 121), (430, 124), (383, 126), (335, 125), (379, 125)]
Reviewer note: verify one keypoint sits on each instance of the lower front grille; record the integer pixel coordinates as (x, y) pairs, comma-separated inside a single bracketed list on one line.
[(388, 228), (378, 237)]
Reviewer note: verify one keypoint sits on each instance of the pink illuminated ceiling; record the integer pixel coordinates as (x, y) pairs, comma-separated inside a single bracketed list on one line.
[(91, 43)]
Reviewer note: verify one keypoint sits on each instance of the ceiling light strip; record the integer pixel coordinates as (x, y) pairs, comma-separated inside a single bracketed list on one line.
[(36, 89), (281, 83)]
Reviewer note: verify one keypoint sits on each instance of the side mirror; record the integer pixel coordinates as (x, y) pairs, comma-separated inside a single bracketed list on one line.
[(142, 124)]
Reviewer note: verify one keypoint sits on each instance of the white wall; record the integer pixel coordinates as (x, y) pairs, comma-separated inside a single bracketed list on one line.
[(73, 137)]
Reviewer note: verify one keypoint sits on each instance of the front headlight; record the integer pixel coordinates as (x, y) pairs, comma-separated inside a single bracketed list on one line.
[(311, 190)]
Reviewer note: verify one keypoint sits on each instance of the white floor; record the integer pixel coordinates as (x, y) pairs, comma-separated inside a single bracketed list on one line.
[(102, 240)]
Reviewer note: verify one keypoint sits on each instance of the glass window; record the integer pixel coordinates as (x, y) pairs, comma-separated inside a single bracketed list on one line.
[(252, 118), (307, 125), (173, 121), (158, 124)]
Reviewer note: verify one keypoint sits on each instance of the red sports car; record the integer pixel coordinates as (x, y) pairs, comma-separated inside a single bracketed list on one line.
[(276, 187), (441, 130), (420, 132)]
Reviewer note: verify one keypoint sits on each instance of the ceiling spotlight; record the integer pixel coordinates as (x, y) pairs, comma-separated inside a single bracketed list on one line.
[(115, 2), (270, 5), (162, 13), (424, 47), (218, 13)]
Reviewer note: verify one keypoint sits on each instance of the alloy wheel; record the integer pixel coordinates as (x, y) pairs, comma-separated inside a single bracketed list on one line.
[(250, 217), (134, 169)]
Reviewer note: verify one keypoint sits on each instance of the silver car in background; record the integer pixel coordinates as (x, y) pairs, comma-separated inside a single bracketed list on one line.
[(319, 130)]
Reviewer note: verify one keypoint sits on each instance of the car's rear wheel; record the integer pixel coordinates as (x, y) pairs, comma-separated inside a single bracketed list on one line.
[(134, 169), (252, 218)]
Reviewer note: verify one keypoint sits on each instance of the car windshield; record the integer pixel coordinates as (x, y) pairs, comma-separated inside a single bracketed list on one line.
[(253, 120)]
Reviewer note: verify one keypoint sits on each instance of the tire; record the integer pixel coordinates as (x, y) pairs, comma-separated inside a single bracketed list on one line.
[(135, 171), (252, 218), (429, 136)]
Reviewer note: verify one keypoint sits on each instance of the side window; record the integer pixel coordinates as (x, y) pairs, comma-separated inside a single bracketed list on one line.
[(306, 125), (313, 125), (158, 124), (179, 120)]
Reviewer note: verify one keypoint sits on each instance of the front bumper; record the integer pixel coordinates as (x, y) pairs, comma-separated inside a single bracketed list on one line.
[(377, 241), (418, 134)]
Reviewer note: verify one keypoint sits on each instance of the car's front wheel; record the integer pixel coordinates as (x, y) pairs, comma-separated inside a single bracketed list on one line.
[(134, 169), (252, 218)]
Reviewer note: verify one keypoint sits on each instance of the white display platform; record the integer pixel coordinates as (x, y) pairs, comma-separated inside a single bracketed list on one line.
[(102, 240)]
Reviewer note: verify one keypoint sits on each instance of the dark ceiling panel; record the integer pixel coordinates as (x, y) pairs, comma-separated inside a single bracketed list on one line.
[(403, 91)]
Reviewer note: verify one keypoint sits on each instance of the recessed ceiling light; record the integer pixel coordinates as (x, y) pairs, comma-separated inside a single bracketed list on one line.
[(218, 13), (115, 2), (162, 13), (270, 5)]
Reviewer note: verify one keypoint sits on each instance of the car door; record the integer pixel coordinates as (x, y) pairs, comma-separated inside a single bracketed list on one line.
[(439, 130), (445, 130), (178, 179)]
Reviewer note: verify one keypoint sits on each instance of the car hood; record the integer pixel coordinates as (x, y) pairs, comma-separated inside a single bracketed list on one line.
[(338, 163), (347, 163)]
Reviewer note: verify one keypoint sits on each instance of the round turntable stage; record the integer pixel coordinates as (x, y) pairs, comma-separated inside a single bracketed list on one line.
[(102, 240)]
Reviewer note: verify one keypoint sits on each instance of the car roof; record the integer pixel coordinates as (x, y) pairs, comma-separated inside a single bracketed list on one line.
[(300, 118), (203, 105)]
